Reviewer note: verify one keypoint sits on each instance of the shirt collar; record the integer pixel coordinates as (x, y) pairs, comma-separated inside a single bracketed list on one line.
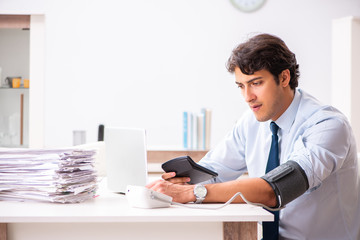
[(286, 120)]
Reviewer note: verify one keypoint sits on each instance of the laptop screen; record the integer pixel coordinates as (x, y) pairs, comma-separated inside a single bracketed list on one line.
[(126, 162)]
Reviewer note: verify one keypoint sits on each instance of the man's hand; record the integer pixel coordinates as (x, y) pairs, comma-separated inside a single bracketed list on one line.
[(171, 177), (181, 193)]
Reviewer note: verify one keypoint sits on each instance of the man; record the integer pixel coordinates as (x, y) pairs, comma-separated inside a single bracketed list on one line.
[(317, 176)]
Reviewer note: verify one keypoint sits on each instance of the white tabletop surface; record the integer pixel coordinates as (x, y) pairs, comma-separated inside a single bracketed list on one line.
[(112, 207)]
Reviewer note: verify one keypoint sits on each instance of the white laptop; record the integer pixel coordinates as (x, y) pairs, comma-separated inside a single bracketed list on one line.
[(126, 159)]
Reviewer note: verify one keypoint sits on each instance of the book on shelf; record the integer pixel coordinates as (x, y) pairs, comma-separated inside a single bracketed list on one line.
[(200, 131), (197, 130), (207, 128)]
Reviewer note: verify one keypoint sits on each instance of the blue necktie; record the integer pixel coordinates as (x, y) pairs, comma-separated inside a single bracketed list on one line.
[(271, 229)]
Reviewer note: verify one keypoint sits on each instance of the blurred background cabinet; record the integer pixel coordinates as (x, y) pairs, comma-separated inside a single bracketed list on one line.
[(14, 62), (14, 117), (22, 44)]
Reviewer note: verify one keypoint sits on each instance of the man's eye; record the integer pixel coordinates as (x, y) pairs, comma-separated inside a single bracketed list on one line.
[(256, 83)]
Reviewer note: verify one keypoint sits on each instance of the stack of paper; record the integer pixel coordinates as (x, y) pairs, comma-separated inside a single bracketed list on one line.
[(62, 176)]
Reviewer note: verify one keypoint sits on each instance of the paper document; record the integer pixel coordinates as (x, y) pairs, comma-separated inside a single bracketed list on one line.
[(56, 175)]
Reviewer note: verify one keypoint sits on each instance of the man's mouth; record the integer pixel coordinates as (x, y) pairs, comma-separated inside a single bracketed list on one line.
[(255, 107)]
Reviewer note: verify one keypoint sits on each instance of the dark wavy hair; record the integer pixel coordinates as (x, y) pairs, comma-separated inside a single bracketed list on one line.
[(265, 51)]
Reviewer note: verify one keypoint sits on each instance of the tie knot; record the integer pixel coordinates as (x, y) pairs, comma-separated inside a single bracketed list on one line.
[(274, 128)]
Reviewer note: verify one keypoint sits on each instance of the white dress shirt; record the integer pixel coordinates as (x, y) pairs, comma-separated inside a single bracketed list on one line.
[(319, 138)]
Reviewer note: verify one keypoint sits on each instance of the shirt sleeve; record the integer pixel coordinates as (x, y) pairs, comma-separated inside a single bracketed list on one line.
[(322, 149), (227, 158)]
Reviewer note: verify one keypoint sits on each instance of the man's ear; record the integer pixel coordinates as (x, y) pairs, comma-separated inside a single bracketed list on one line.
[(284, 77)]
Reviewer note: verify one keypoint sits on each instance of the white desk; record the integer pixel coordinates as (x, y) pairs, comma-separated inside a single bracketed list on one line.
[(109, 217)]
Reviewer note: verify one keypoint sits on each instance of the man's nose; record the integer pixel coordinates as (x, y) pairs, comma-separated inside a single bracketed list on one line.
[(248, 95)]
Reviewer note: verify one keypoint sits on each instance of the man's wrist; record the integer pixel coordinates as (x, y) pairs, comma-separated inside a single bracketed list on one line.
[(192, 195)]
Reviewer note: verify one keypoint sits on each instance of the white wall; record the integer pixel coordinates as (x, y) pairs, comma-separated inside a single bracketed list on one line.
[(345, 70), (141, 63)]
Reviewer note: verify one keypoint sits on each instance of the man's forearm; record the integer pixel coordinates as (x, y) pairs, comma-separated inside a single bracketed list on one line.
[(254, 189)]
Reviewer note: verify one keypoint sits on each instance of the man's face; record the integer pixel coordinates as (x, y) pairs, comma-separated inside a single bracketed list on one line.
[(265, 97)]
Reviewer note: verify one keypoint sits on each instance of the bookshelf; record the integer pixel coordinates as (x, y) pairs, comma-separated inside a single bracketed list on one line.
[(161, 156)]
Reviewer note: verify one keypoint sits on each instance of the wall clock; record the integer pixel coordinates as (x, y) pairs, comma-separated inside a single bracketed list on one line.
[(248, 5)]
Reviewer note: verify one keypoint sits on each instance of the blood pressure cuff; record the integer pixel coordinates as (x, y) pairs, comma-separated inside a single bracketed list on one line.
[(288, 181)]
